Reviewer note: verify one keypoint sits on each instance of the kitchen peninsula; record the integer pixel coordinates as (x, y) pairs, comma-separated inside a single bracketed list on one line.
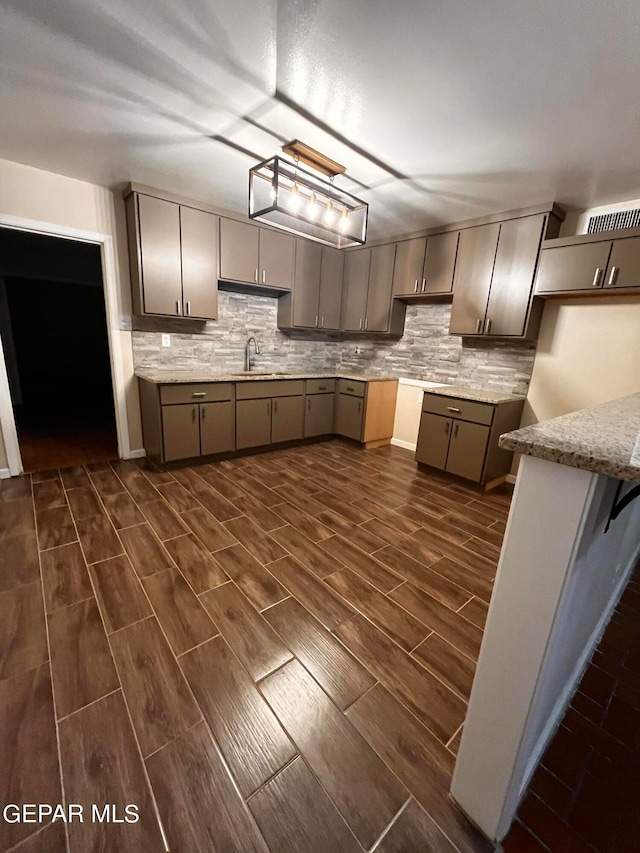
[(572, 539)]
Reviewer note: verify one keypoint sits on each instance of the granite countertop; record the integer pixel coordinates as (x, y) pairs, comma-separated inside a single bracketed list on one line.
[(604, 439), (476, 394), (172, 377)]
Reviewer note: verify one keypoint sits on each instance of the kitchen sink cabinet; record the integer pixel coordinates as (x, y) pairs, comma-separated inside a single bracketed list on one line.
[(256, 256), (316, 299), (368, 302), (173, 252), (425, 266), (460, 436), (318, 414), (217, 427)]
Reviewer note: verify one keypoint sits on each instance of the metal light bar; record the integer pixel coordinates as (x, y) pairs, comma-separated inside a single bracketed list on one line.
[(290, 198)]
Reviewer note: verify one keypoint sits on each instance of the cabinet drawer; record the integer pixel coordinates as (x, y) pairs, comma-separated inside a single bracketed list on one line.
[(203, 392), (356, 389), (269, 388), (453, 407), (321, 386)]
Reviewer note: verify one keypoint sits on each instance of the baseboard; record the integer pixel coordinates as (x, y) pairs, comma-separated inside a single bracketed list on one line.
[(511, 478), (137, 454), (5, 473), (397, 442)]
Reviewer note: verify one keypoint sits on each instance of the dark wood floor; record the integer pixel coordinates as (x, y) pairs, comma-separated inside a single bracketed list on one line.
[(269, 653)]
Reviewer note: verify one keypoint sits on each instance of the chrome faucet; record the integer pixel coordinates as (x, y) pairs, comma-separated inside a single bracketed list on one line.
[(249, 360)]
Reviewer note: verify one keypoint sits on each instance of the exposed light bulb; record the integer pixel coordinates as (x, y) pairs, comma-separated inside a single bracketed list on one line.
[(295, 197), (343, 220), (329, 215), (273, 192), (312, 208)]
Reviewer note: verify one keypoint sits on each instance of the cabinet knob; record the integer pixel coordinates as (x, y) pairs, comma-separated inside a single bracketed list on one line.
[(188, 307), (487, 329), (415, 290), (596, 277), (478, 325), (446, 427), (178, 307), (613, 276), (361, 322), (255, 276), (366, 323), (455, 430), (264, 276), (424, 284), (203, 414)]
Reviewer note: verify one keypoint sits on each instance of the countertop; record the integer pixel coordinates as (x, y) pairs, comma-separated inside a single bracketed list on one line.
[(476, 394), (171, 377), (604, 439)]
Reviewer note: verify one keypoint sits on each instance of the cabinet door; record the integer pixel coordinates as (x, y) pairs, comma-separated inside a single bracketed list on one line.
[(287, 422), (380, 288), (433, 440), (472, 281), (331, 276), (318, 415), (180, 432), (276, 259), (572, 267), (159, 223), (253, 423), (407, 274), (239, 251), (349, 416), (467, 450), (624, 263), (306, 284), (217, 433), (440, 263), (199, 237), (356, 286), (513, 274)]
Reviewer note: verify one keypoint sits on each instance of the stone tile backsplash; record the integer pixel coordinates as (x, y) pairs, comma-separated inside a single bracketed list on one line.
[(426, 351)]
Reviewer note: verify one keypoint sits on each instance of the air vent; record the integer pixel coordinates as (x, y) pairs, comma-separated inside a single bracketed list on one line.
[(614, 221)]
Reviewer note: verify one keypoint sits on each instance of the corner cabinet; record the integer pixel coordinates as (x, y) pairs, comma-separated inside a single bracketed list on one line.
[(173, 255), (365, 411), (368, 305), (255, 256), (590, 263), (316, 299)]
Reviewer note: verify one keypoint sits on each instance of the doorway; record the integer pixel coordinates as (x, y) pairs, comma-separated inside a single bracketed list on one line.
[(55, 340)]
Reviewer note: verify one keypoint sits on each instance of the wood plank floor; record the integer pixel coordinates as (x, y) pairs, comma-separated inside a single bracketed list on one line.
[(270, 653)]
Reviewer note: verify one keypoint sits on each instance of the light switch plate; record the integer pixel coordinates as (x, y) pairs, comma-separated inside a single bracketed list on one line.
[(166, 340)]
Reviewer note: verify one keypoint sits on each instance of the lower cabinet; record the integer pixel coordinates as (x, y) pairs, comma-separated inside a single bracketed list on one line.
[(318, 415), (181, 431), (467, 449), (287, 419), (253, 423), (433, 440), (349, 416), (216, 428)]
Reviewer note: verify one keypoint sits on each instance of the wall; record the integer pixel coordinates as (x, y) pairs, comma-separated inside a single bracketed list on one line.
[(42, 196)]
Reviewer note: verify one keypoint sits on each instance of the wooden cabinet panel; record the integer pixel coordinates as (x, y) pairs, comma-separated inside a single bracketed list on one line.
[(573, 267), (356, 285), (217, 427), (380, 288), (331, 276), (276, 259), (624, 264), (253, 423), (433, 440), (306, 284), (287, 419), (515, 264), (467, 450), (440, 263), (349, 415), (239, 251), (199, 238), (159, 236), (318, 415), (410, 260), (472, 281), (181, 432)]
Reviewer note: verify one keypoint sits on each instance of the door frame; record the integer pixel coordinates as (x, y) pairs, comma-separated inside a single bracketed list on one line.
[(110, 287)]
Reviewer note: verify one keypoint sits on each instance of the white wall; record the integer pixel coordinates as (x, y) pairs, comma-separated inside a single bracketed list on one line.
[(408, 411), (41, 196)]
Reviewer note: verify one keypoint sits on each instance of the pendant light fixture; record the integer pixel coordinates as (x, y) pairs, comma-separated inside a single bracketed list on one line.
[(304, 202)]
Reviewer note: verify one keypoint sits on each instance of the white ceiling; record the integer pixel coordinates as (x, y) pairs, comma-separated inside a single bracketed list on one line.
[(440, 109)]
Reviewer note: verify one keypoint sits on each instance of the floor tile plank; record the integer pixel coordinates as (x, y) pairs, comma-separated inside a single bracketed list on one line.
[(55, 527), (362, 564), (306, 552), (263, 547), (163, 520), (16, 518), (98, 539), (207, 529), (120, 596), (424, 578), (64, 576), (144, 550), (311, 592), (159, 700), (201, 570), (183, 618), (219, 507), (199, 805), (75, 477), (415, 830), (51, 839), (365, 792), (122, 510), (259, 585), (305, 524), (19, 561), (447, 663), (84, 502), (249, 735), (464, 577), (252, 639), (48, 495), (354, 533), (475, 611), (23, 638), (179, 498)]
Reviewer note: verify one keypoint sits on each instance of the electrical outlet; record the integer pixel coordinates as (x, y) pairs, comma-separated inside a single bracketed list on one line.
[(358, 350), (166, 340)]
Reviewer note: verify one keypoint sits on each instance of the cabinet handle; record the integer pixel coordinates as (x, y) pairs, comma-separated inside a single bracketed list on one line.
[(264, 276), (424, 284), (366, 323), (596, 277), (349, 388), (316, 319), (188, 306), (321, 322), (193, 415), (415, 290), (478, 325), (446, 427), (452, 409), (309, 403), (359, 405), (322, 387), (361, 322), (255, 276), (613, 276), (203, 413), (199, 394), (178, 307), (269, 407), (455, 430), (275, 407), (487, 329)]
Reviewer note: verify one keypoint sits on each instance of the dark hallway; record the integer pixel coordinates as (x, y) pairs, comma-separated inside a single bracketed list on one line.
[(54, 335)]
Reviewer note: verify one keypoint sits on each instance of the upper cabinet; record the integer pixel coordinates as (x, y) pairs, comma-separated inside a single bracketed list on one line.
[(316, 299), (257, 256), (173, 252), (425, 266), (368, 305), (590, 263), (495, 271)]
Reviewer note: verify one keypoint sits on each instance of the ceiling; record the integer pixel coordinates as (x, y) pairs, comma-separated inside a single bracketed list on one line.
[(440, 109)]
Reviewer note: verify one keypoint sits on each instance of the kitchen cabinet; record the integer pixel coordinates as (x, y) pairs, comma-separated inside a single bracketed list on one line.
[(253, 423), (217, 427), (590, 263), (316, 299), (180, 431), (318, 415), (349, 416), (460, 436), (269, 411), (425, 265), (287, 419), (472, 280), (255, 255), (173, 251), (365, 411), (368, 303)]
